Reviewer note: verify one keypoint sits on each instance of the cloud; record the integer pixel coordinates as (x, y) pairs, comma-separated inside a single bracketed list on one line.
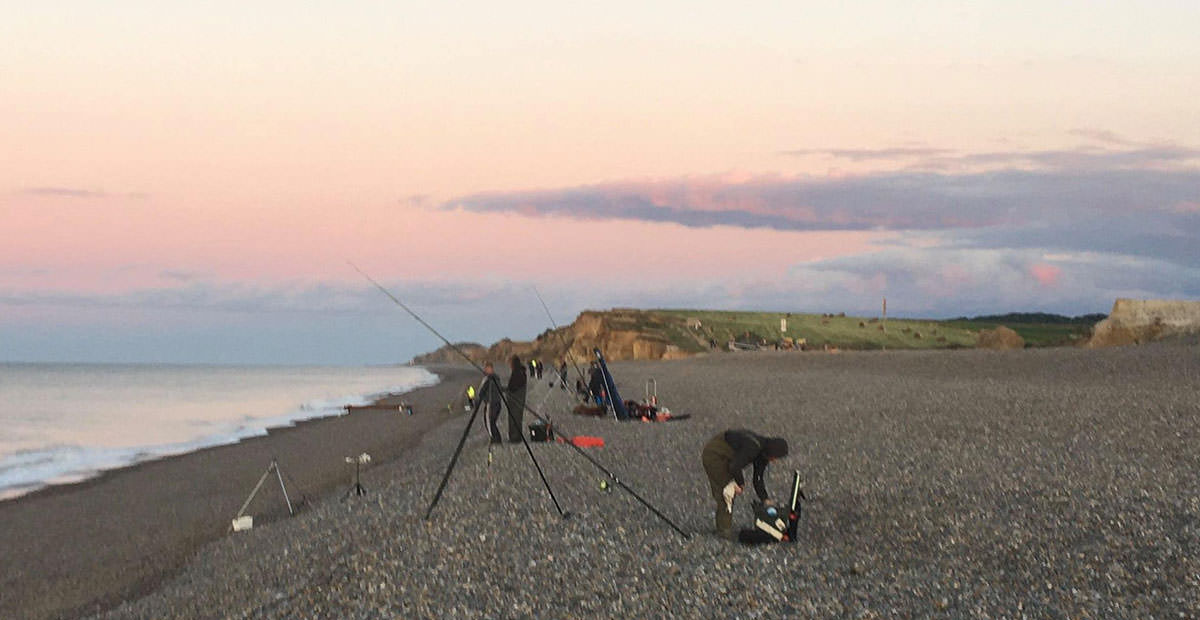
[(179, 275), (62, 192), (1046, 274), (1166, 156), (892, 201), (953, 281), (872, 154), (196, 292), (963, 242), (73, 192), (415, 200), (1103, 135), (1131, 154)]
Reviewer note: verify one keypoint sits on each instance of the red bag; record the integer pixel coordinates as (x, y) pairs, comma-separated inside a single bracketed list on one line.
[(584, 441)]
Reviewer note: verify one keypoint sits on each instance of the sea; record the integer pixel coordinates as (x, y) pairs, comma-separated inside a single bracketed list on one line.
[(62, 423)]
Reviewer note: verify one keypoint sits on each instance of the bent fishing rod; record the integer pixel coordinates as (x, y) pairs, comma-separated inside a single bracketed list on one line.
[(613, 477)]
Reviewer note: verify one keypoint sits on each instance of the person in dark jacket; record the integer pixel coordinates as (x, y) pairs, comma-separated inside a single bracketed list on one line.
[(725, 456), (488, 396), (596, 385), (516, 401)]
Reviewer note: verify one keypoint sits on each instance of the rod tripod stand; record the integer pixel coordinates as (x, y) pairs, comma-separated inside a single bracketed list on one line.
[(244, 522), (463, 439), (507, 404), (357, 488)]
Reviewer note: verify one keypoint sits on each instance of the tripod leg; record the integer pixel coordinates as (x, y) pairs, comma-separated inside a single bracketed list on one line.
[(286, 499), (462, 440), (525, 442), (258, 486)]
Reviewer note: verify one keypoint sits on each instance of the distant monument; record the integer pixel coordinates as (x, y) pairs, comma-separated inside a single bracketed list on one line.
[(1135, 321)]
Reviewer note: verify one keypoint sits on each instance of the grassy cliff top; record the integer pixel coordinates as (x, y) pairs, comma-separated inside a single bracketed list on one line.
[(847, 332)]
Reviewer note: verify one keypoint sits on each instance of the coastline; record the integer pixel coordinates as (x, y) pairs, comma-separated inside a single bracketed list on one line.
[(1040, 482), (79, 548), (1047, 483)]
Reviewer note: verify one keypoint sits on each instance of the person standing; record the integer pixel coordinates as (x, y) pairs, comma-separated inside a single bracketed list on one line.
[(489, 399), (562, 375), (516, 400), (596, 385), (470, 397), (725, 456)]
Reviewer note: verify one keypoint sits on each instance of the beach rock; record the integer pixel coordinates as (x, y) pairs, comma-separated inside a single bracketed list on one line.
[(999, 338)]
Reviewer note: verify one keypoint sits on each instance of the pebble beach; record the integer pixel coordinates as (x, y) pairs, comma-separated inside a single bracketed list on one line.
[(1038, 483)]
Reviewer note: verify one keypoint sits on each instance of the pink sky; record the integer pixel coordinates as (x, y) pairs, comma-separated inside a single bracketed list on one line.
[(119, 244), (146, 147)]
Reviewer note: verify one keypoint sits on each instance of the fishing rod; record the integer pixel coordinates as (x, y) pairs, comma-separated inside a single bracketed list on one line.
[(503, 394), (561, 338), (613, 477)]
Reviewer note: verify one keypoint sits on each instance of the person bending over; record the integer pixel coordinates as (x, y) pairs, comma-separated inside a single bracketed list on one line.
[(725, 456)]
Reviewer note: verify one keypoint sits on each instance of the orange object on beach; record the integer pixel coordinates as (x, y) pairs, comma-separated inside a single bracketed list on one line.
[(584, 441)]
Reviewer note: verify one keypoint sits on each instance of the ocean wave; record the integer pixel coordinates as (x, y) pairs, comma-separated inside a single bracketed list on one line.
[(26, 470)]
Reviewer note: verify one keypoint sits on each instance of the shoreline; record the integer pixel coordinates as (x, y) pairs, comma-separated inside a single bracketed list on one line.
[(1049, 483), (84, 547), (60, 462)]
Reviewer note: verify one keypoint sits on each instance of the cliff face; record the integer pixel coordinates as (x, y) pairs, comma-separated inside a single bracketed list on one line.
[(1134, 321), (619, 334), (446, 355)]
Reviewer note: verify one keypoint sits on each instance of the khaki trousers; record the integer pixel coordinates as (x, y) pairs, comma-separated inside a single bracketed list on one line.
[(716, 457)]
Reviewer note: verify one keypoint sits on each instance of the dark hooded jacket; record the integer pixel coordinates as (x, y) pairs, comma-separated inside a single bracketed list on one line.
[(489, 391), (748, 447), (516, 381)]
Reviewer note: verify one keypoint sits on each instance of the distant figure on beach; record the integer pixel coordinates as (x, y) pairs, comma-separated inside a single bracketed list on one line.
[(725, 456), (489, 398), (537, 367), (516, 401), (470, 397), (596, 384), (532, 368), (562, 375)]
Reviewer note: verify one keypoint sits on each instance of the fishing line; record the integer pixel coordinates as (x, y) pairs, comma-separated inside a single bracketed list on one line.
[(561, 338), (503, 395), (617, 481)]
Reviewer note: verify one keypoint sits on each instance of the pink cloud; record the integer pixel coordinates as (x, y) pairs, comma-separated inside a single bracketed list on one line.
[(54, 246), (1045, 273)]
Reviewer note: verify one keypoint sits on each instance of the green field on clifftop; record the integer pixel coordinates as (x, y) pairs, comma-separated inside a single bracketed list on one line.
[(845, 332), (817, 330)]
